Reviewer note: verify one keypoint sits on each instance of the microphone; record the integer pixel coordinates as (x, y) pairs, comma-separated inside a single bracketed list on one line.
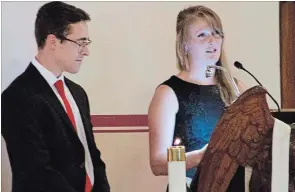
[(240, 66)]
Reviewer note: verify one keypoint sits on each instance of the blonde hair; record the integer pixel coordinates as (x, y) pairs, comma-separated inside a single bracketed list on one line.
[(184, 19)]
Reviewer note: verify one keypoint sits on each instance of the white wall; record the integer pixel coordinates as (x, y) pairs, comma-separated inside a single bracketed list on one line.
[(132, 53)]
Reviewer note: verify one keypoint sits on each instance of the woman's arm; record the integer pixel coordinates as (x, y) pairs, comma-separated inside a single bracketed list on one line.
[(241, 86), (161, 120)]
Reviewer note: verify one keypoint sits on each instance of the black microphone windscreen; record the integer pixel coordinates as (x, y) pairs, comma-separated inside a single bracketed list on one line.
[(238, 65)]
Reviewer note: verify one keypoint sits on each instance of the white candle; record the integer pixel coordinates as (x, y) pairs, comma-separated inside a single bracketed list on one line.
[(176, 169)]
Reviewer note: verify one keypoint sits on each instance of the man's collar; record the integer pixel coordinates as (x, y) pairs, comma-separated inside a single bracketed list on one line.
[(47, 75)]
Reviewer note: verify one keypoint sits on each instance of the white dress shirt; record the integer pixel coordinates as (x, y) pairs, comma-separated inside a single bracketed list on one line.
[(51, 80)]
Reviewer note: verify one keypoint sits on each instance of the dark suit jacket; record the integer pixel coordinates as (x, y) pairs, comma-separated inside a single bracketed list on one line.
[(44, 150)]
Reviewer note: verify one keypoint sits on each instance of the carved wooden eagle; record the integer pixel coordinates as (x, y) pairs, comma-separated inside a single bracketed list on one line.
[(242, 137)]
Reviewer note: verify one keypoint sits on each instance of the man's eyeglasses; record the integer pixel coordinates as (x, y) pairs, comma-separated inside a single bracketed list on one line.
[(82, 43)]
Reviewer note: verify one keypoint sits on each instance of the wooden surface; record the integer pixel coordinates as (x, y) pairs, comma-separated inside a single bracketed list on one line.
[(243, 136), (287, 51), (238, 139)]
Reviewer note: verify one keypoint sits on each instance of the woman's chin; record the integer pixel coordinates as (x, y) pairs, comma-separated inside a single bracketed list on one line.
[(211, 61)]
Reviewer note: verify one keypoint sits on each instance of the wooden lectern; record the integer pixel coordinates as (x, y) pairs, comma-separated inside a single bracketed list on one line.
[(243, 137)]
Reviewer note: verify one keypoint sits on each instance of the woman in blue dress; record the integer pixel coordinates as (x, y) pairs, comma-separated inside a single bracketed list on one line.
[(188, 105)]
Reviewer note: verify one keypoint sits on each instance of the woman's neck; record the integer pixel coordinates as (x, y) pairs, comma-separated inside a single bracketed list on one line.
[(197, 74)]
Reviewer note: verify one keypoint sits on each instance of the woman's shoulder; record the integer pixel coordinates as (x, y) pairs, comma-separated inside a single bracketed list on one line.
[(164, 95), (164, 91), (172, 80), (168, 86)]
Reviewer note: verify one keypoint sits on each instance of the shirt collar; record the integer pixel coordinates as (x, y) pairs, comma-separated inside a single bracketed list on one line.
[(47, 75)]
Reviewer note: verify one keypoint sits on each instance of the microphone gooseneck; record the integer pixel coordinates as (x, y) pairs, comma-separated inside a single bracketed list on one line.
[(239, 65)]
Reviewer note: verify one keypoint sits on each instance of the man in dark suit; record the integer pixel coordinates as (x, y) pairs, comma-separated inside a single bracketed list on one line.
[(46, 117)]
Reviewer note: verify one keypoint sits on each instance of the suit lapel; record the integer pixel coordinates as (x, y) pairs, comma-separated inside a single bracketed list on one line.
[(55, 103), (41, 86), (79, 103)]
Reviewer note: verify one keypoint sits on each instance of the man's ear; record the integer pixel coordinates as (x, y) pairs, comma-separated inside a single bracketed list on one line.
[(51, 41)]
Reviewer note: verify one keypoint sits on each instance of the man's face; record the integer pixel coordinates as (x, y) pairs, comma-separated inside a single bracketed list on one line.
[(70, 53)]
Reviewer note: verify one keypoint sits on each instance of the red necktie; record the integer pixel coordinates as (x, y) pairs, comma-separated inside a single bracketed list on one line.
[(60, 88)]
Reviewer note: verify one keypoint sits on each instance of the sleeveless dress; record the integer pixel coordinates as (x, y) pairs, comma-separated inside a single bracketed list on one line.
[(200, 108)]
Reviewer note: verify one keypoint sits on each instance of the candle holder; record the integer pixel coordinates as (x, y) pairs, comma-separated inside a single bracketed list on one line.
[(176, 153)]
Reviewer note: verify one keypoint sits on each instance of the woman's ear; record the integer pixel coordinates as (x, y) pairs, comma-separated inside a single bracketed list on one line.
[(187, 47)]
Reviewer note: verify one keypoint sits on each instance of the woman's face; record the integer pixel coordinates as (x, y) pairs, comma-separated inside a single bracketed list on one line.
[(204, 45)]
